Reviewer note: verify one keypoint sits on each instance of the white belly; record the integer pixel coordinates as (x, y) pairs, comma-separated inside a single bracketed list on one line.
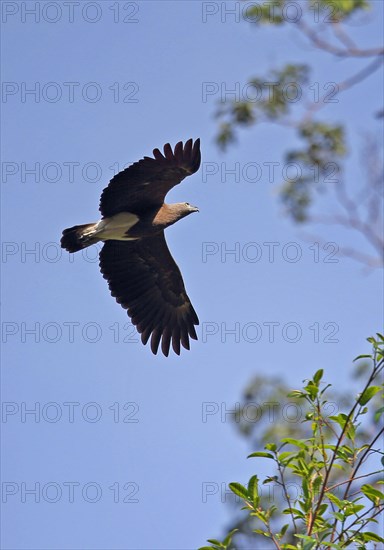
[(116, 226)]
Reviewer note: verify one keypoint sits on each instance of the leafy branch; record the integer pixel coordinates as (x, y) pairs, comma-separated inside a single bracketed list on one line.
[(323, 148), (329, 459)]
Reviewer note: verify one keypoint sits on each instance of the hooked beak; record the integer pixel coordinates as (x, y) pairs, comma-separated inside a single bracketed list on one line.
[(194, 209)]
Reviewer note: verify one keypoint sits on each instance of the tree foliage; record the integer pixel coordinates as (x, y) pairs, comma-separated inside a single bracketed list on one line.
[(337, 468), (279, 97)]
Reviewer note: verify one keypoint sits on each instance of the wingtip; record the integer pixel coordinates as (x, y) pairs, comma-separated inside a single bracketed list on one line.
[(158, 154), (195, 143), (168, 153)]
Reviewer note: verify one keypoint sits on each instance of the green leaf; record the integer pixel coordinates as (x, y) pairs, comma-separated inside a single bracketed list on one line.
[(368, 535), (296, 442), (304, 486), (372, 493), (228, 539), (309, 540), (365, 356), (353, 509), (340, 419), (271, 446), (295, 511), (333, 498), (239, 490), (351, 432), (286, 457), (260, 454), (305, 467), (261, 515), (368, 394), (270, 479), (317, 483), (325, 389), (378, 413), (296, 393), (322, 509), (260, 532), (318, 376), (253, 490), (312, 389)]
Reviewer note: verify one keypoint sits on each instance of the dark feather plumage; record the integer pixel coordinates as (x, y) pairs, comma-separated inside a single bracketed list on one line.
[(141, 273), (145, 183), (145, 280)]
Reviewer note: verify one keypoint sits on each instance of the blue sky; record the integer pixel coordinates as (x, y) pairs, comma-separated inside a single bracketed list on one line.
[(119, 438)]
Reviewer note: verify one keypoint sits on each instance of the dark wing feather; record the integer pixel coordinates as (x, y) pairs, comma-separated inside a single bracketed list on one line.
[(145, 183), (145, 280)]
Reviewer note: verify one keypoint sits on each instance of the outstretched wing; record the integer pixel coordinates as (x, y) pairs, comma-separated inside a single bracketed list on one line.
[(145, 280), (146, 182)]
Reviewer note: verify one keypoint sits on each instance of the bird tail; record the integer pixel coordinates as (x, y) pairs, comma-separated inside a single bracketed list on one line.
[(78, 237)]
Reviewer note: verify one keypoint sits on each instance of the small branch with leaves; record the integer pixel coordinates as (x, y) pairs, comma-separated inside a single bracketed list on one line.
[(328, 466)]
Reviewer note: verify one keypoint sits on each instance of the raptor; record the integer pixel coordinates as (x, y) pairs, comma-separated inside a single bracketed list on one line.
[(135, 259)]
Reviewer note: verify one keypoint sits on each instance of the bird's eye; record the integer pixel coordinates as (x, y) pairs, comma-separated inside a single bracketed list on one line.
[(187, 204)]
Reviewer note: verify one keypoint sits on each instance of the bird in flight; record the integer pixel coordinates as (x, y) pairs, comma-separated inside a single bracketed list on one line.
[(141, 272)]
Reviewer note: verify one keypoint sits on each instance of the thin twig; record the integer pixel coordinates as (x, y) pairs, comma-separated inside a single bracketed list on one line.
[(343, 36), (330, 48), (361, 460), (344, 85), (287, 497), (338, 443), (354, 479), (358, 518)]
